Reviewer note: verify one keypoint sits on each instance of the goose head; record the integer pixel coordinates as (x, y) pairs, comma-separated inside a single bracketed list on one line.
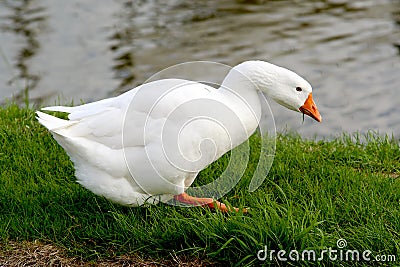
[(282, 85)]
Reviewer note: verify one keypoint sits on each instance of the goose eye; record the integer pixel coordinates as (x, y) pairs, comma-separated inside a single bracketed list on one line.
[(298, 89)]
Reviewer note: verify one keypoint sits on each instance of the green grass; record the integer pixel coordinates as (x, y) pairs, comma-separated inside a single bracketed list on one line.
[(315, 193)]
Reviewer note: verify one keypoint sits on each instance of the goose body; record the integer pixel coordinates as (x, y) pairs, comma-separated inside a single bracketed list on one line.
[(149, 143)]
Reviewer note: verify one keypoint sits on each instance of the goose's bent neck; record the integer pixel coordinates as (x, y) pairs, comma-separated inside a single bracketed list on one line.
[(243, 92), (251, 76)]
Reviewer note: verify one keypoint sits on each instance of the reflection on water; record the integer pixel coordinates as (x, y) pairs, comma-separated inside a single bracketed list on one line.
[(122, 40), (348, 50), (25, 19), (396, 18)]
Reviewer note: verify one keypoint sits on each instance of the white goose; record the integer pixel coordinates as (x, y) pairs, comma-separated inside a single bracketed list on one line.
[(149, 143)]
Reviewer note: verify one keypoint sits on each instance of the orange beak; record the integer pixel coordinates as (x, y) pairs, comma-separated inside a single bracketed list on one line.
[(309, 108)]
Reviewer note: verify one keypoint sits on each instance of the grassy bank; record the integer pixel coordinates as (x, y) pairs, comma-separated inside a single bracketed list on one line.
[(315, 194)]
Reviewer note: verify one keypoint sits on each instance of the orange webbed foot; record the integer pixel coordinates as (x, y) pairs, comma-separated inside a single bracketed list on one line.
[(211, 203)]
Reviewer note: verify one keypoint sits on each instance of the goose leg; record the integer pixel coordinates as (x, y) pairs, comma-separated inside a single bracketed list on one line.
[(211, 203)]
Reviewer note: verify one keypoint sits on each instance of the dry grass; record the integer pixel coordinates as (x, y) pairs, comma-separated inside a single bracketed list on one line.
[(39, 254)]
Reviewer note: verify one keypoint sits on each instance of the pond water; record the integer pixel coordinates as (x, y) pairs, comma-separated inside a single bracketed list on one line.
[(59, 51)]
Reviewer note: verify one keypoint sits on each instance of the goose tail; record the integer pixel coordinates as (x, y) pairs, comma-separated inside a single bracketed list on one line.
[(53, 123)]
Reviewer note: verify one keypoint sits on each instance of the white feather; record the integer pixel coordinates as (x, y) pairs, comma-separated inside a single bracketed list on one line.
[(153, 140)]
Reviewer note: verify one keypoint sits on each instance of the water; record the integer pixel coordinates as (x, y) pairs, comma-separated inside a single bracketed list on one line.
[(59, 51)]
